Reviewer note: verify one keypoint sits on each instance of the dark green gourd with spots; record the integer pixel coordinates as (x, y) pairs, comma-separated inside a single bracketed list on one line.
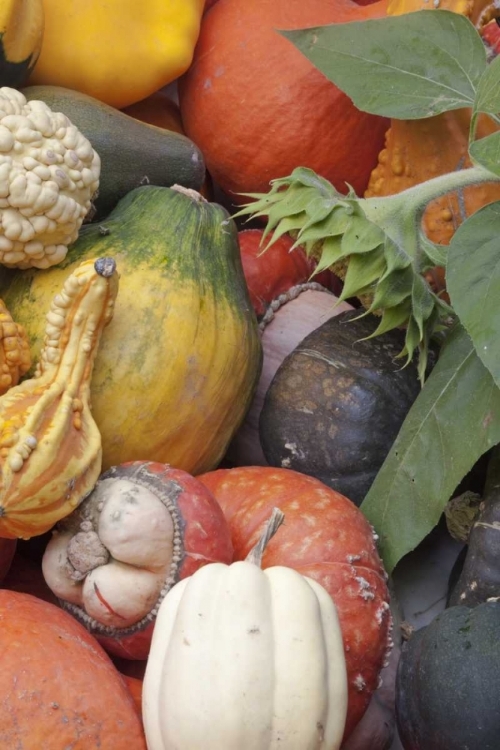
[(337, 402), (179, 363)]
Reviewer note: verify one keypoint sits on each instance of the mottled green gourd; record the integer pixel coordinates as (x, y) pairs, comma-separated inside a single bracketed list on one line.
[(180, 361)]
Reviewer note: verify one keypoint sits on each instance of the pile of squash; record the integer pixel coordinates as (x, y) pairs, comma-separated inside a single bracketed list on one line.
[(187, 425)]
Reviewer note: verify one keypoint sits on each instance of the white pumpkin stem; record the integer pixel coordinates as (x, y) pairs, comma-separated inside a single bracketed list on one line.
[(270, 529)]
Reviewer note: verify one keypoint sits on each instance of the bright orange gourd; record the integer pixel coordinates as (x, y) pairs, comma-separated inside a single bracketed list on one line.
[(59, 689), (417, 150), (257, 108)]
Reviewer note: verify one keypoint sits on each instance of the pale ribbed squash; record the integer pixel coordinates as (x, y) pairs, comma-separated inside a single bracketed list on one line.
[(50, 446), (21, 34), (180, 361)]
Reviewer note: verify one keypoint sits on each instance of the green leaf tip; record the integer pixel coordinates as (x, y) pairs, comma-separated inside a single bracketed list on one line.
[(374, 264)]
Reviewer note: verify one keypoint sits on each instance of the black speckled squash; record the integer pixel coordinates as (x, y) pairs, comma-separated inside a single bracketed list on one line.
[(337, 402), (477, 571), (448, 682)]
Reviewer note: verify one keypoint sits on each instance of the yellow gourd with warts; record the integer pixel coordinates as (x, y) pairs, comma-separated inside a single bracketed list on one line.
[(15, 357), (50, 446), (117, 51)]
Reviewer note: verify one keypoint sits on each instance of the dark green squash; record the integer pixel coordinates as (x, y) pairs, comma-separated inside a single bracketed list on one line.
[(479, 577), (448, 682), (337, 402), (132, 152)]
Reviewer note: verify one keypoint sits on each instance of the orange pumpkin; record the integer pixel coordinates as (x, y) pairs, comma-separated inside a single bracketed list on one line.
[(325, 537), (59, 689), (257, 108)]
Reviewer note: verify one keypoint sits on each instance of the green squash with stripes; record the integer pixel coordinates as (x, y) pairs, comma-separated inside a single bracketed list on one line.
[(180, 360)]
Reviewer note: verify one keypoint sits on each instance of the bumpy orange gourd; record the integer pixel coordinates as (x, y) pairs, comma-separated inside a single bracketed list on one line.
[(15, 357), (417, 150), (50, 446)]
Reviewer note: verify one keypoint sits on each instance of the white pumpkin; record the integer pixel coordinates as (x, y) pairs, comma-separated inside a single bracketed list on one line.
[(245, 659)]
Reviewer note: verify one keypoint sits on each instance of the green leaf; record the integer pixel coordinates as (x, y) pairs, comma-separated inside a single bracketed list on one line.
[(486, 151), (409, 66), (488, 89), (473, 282), (454, 420)]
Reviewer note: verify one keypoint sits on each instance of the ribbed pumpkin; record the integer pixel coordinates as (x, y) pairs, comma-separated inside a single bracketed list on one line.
[(257, 108), (417, 150), (327, 538), (59, 689), (178, 365), (245, 658)]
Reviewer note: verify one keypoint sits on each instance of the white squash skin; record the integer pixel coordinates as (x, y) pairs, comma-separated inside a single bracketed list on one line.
[(129, 583), (118, 595), (131, 514), (55, 572), (245, 658)]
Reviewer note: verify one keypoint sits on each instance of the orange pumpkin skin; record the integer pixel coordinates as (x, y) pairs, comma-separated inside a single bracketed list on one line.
[(326, 537), (257, 108), (59, 689), (158, 109)]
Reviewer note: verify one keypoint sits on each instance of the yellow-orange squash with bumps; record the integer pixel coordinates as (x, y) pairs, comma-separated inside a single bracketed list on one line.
[(15, 358), (50, 446), (417, 150)]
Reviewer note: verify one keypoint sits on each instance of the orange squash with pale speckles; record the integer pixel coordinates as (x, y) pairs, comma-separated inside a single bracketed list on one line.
[(325, 537)]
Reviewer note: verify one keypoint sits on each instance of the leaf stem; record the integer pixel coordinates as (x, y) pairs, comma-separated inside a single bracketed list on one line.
[(414, 200)]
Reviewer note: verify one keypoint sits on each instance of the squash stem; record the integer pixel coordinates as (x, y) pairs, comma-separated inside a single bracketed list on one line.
[(270, 529)]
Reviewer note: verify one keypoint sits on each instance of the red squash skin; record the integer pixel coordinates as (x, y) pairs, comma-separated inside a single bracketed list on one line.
[(59, 689), (206, 539), (277, 269), (324, 536)]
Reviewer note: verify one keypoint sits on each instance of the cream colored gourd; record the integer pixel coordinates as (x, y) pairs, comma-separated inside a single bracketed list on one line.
[(246, 659)]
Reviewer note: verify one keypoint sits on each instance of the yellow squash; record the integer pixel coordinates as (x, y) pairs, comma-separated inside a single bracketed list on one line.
[(118, 51), (21, 33), (179, 363), (50, 446)]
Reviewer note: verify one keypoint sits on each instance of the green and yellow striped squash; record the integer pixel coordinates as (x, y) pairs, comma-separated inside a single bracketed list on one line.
[(179, 362), (21, 35)]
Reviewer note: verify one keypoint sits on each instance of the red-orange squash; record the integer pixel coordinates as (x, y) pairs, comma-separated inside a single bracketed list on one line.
[(59, 689), (144, 526), (257, 108), (272, 271), (326, 537)]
